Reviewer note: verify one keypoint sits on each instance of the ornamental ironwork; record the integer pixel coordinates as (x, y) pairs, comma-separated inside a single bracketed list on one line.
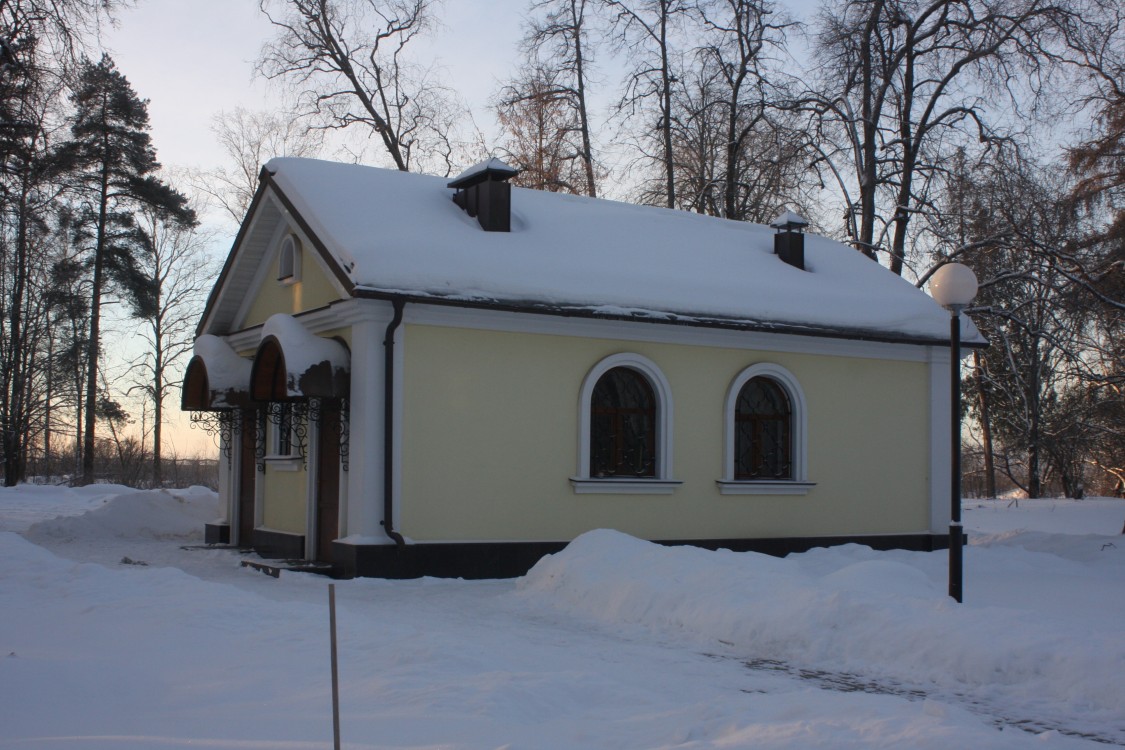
[(292, 421), (218, 424), (345, 432), (260, 440)]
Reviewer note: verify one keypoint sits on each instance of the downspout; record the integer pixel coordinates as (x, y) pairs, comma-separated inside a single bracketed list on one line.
[(389, 423)]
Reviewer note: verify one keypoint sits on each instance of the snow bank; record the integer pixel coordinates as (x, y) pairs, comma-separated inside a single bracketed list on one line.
[(1093, 515), (132, 514), (850, 610), (27, 504)]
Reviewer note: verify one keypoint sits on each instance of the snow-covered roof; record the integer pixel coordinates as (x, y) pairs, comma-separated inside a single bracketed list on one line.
[(399, 233)]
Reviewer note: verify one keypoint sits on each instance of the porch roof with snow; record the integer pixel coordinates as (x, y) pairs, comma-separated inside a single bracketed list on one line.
[(390, 234)]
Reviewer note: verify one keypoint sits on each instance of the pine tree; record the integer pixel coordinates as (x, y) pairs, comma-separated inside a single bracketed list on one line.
[(115, 179)]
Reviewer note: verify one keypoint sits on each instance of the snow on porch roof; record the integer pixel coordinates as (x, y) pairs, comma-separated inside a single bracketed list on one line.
[(298, 364), (216, 378), (396, 232)]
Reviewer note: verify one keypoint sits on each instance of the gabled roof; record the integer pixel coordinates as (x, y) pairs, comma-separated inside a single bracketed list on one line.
[(390, 233)]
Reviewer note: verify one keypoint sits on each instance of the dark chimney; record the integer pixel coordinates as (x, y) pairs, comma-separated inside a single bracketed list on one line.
[(789, 242), (483, 191)]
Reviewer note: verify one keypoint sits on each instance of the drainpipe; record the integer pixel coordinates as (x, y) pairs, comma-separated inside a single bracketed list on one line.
[(389, 423)]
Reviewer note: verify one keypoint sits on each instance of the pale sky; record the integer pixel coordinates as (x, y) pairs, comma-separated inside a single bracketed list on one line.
[(194, 58)]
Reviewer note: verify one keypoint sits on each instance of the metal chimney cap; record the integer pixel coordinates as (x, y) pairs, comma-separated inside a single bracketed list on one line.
[(492, 168), (789, 220)]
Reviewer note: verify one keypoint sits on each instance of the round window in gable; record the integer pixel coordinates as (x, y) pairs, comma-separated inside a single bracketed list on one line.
[(289, 261)]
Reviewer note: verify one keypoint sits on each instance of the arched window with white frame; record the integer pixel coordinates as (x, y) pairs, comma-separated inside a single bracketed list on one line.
[(765, 447), (625, 428), (289, 260)]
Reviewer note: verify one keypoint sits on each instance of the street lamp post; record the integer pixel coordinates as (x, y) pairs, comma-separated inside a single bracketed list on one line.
[(953, 287)]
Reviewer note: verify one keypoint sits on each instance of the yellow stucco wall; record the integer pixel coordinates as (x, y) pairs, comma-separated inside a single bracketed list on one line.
[(490, 439), (315, 289)]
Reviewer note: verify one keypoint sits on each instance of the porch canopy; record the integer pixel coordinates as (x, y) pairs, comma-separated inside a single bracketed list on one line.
[(293, 364), (216, 378)]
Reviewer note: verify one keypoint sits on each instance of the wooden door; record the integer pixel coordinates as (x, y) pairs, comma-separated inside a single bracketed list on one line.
[(247, 469), (328, 481)]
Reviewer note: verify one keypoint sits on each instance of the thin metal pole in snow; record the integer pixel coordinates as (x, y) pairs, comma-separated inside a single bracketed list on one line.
[(956, 534), (335, 680)]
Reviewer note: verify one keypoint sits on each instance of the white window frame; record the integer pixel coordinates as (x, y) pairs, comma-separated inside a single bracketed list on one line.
[(289, 260), (662, 483), (798, 434), (290, 461)]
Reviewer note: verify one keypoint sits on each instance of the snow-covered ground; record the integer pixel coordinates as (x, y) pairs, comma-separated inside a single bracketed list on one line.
[(119, 630)]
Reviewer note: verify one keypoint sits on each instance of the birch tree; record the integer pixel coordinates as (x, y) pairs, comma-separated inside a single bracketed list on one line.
[(180, 274)]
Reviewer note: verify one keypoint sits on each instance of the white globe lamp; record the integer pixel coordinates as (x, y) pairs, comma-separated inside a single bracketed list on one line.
[(953, 286)]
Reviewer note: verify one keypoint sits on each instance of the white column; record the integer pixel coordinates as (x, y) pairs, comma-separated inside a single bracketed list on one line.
[(362, 505)]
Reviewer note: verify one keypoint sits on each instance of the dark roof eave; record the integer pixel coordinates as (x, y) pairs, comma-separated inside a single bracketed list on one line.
[(665, 318)]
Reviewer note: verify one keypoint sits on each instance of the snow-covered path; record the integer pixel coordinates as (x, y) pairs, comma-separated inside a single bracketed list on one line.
[(614, 643)]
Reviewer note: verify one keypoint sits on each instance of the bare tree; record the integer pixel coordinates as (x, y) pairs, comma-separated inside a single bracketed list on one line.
[(181, 273), (1098, 165), (250, 139), (646, 31), (903, 79), (1039, 391), (348, 60), (539, 129), (60, 28), (756, 160), (551, 95)]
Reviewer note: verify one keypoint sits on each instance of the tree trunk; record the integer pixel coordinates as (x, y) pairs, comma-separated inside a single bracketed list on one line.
[(47, 400), (95, 328), (870, 117), (580, 87), (15, 439), (158, 416), (666, 106), (985, 428), (1033, 484)]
